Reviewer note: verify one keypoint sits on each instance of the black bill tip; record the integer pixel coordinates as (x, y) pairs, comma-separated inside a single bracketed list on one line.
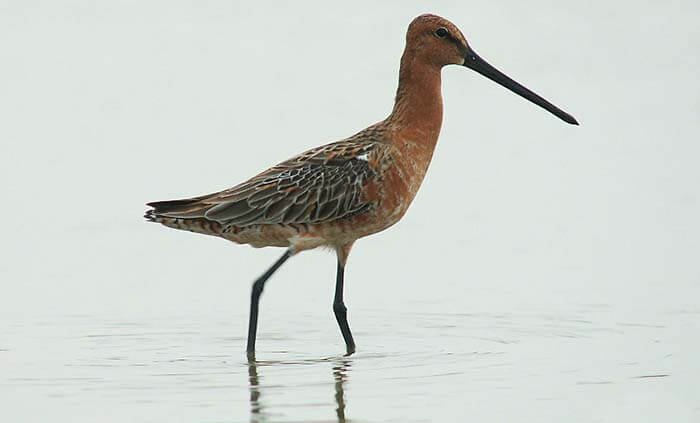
[(569, 119)]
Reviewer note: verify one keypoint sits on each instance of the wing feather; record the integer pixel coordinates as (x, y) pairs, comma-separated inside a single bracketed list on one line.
[(322, 184)]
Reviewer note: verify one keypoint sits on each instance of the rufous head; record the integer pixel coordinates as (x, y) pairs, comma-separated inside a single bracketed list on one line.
[(436, 42)]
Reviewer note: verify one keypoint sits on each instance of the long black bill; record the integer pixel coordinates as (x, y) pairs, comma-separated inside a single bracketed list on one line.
[(474, 62)]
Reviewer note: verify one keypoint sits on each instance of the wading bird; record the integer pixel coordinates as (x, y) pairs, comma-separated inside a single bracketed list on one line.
[(337, 193)]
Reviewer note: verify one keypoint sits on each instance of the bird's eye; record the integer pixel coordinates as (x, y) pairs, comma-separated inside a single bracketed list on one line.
[(441, 32)]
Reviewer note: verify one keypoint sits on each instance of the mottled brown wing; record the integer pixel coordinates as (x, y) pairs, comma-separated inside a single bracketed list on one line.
[(320, 185)]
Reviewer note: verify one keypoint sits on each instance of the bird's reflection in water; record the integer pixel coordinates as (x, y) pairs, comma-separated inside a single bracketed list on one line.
[(341, 369), (256, 409)]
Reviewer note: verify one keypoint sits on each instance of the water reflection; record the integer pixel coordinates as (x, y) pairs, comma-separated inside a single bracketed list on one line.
[(340, 371), (256, 408), (340, 374)]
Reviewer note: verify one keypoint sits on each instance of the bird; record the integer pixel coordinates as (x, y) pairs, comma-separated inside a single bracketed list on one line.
[(331, 196)]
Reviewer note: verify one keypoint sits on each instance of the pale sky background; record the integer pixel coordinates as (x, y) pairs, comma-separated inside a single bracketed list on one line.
[(108, 105)]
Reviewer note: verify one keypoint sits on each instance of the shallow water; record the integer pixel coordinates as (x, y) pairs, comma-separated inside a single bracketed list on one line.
[(583, 365)]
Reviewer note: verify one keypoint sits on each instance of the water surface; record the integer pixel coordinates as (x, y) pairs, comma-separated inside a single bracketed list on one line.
[(584, 365)]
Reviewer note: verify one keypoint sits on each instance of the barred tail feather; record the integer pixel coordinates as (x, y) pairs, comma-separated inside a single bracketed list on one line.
[(186, 215), (202, 226)]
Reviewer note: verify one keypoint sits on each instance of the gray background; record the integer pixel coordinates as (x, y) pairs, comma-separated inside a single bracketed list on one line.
[(544, 271)]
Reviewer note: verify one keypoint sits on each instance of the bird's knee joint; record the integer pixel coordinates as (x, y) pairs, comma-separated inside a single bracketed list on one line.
[(257, 288), (339, 308)]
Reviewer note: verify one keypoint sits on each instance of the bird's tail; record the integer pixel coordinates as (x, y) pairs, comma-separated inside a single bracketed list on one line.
[(186, 215), (189, 208)]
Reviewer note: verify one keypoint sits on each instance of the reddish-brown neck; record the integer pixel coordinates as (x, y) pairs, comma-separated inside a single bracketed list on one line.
[(417, 111)]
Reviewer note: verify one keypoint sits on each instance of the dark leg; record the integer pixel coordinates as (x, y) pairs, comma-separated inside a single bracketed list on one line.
[(341, 312), (255, 298)]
